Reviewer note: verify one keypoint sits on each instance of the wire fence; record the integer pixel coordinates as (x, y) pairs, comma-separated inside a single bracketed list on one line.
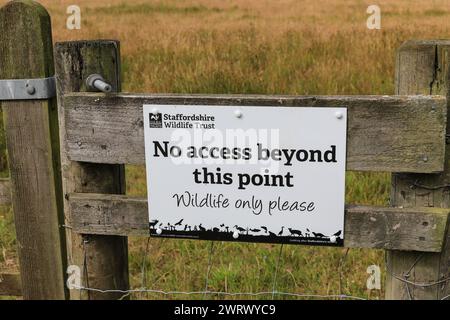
[(274, 293)]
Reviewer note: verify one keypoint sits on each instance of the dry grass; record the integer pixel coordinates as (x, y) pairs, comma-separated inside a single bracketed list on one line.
[(254, 46)]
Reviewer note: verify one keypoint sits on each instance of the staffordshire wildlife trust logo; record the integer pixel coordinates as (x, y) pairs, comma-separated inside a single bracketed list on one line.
[(155, 120)]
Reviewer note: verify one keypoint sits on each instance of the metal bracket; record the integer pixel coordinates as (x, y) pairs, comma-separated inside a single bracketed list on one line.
[(27, 89)]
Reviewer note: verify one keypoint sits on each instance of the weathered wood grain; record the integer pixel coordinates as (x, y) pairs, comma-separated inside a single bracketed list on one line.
[(10, 284), (5, 191), (385, 133), (103, 259), (422, 68), (31, 127), (419, 229)]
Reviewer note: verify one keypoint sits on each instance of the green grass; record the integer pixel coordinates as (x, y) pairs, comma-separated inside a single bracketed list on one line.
[(8, 256)]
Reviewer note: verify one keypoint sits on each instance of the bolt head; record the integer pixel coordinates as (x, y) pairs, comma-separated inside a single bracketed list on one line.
[(158, 231), (31, 89), (155, 111), (339, 115), (333, 239), (238, 113), (235, 235)]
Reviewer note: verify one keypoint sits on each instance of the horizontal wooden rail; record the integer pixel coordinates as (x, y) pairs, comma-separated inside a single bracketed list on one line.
[(10, 284), (385, 133), (5, 191), (420, 229)]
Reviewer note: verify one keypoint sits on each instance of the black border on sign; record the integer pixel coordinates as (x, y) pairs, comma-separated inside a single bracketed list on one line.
[(228, 236)]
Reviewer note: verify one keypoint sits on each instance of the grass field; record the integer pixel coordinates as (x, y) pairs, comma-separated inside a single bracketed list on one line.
[(254, 46)]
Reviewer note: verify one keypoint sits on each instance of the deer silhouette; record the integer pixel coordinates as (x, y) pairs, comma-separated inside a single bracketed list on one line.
[(318, 235)]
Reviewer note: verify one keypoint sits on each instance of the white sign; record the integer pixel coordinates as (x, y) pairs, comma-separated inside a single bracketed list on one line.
[(259, 174)]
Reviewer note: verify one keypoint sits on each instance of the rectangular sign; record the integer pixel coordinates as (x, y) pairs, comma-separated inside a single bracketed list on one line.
[(255, 174)]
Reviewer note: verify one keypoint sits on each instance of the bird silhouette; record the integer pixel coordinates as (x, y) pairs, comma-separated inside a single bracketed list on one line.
[(239, 228), (264, 228), (255, 230), (271, 234), (179, 223), (281, 231), (222, 225), (215, 229), (337, 234), (185, 227), (201, 228), (295, 232), (153, 223)]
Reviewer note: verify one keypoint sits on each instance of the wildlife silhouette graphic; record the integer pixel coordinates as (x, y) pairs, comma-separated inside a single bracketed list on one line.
[(222, 232)]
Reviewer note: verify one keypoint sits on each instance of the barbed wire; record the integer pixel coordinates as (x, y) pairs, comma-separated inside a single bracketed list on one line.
[(208, 270), (219, 293), (274, 283), (125, 293), (409, 283), (204, 293)]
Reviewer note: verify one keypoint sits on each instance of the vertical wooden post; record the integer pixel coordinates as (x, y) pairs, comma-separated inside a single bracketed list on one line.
[(104, 259), (422, 68), (33, 151)]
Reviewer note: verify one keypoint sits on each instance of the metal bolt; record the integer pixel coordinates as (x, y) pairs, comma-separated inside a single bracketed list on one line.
[(333, 239), (158, 231), (155, 111), (96, 82), (339, 115), (235, 235), (30, 89), (238, 113)]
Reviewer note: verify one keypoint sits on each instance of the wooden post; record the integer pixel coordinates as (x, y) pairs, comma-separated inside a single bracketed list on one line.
[(422, 68), (33, 151), (104, 259)]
